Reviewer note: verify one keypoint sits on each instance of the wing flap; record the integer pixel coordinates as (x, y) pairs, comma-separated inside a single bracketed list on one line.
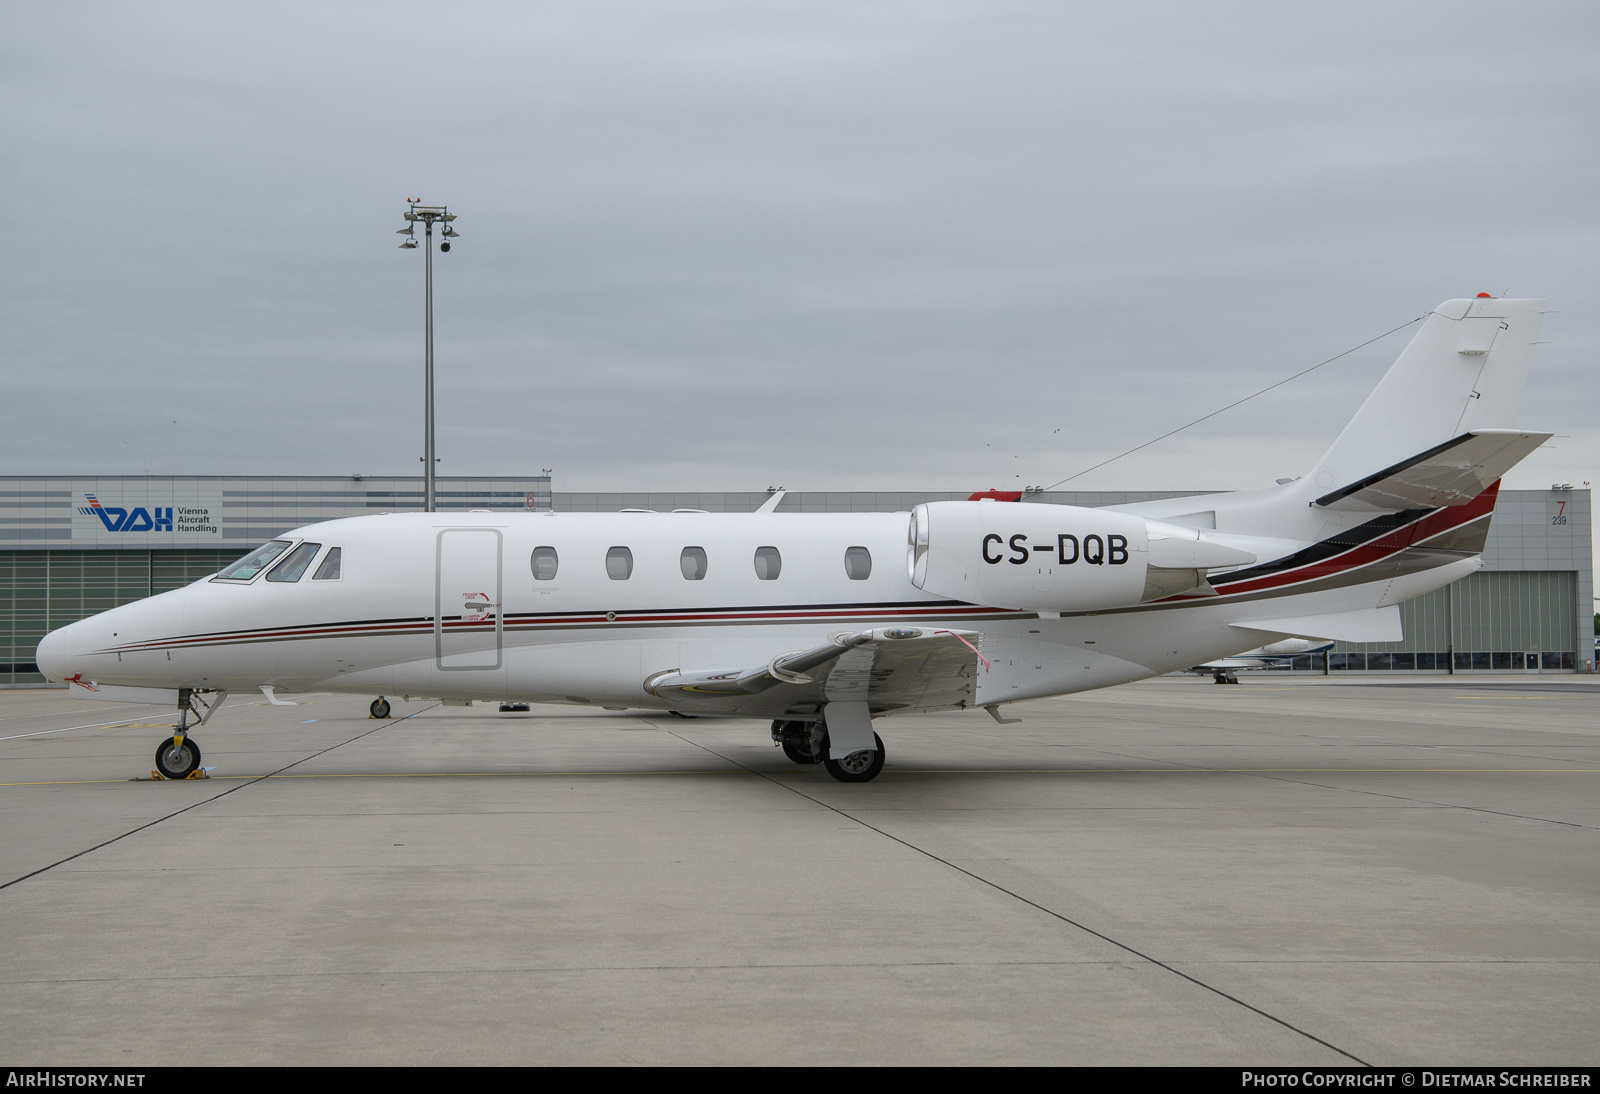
[(887, 668)]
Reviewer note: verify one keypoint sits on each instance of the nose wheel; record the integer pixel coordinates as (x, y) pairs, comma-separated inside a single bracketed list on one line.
[(379, 707), (177, 757)]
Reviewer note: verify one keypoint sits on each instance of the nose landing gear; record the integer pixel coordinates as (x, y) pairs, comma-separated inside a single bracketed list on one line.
[(178, 757), (379, 707)]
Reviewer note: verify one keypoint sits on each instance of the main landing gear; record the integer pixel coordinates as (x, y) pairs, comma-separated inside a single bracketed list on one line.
[(807, 743), (1224, 676), (178, 757), (803, 742)]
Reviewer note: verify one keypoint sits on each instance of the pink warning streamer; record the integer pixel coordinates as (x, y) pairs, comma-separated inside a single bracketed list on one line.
[(969, 646)]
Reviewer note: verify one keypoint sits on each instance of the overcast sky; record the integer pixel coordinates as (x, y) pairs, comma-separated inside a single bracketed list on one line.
[(723, 246)]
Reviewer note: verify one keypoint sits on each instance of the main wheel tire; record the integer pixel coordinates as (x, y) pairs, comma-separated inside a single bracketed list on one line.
[(800, 756), (858, 767), (380, 707), (803, 742), (176, 761)]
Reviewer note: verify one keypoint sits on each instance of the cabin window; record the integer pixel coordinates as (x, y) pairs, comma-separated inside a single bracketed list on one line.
[(254, 562), (857, 563), (693, 563), (544, 563), (329, 570), (768, 563), (294, 564), (619, 564)]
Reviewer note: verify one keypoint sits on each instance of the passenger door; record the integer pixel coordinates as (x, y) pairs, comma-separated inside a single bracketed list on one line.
[(467, 618)]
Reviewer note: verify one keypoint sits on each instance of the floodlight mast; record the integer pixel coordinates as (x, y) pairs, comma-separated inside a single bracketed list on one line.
[(427, 215)]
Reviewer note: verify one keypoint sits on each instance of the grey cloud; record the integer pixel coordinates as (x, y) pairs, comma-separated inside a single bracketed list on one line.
[(724, 245)]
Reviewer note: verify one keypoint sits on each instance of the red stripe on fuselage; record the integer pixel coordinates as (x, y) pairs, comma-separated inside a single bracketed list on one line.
[(1434, 524), (597, 619)]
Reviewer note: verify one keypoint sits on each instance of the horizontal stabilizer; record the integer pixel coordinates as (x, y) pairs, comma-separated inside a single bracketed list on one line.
[(1365, 625), (1452, 473)]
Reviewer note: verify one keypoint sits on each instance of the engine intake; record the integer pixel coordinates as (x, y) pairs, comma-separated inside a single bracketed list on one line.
[(1057, 558)]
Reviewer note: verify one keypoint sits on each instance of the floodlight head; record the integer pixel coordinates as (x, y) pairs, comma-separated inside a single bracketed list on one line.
[(408, 244), (407, 231), (449, 232)]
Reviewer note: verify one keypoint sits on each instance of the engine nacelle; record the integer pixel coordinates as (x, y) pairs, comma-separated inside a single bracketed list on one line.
[(1057, 558)]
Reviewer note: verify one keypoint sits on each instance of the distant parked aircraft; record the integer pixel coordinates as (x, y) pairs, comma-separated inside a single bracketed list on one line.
[(1226, 669)]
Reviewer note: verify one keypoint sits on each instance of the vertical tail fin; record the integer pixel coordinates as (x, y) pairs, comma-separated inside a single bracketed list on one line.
[(1464, 370)]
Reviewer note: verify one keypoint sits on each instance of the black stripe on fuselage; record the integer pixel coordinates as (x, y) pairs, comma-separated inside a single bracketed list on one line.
[(1336, 544)]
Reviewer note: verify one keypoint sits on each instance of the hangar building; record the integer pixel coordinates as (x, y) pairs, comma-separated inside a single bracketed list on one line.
[(74, 546)]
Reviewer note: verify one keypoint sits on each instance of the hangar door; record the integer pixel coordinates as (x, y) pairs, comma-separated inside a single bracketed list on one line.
[(467, 626)]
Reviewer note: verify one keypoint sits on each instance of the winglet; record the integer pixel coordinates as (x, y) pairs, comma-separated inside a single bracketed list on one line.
[(771, 504)]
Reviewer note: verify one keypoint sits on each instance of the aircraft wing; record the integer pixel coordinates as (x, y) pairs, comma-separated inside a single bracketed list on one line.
[(1452, 473), (895, 668)]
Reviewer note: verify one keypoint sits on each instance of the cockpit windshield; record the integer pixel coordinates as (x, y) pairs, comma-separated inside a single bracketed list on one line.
[(254, 562), (295, 563)]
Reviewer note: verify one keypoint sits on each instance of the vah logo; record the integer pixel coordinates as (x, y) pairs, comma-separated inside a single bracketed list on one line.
[(121, 520)]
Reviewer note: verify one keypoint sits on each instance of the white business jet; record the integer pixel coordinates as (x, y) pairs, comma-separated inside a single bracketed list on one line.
[(825, 622)]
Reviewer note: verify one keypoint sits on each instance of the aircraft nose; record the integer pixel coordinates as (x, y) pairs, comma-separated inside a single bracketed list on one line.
[(52, 655), (58, 649)]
